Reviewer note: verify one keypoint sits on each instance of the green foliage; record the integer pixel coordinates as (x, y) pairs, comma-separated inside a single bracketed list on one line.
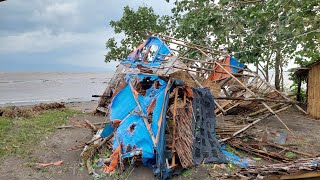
[(20, 136), (259, 32), (131, 25), (290, 155), (303, 93), (187, 173)]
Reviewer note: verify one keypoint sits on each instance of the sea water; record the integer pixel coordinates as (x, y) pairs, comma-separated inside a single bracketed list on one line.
[(32, 87)]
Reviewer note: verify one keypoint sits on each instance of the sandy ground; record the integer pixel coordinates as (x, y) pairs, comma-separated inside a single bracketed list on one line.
[(55, 148)]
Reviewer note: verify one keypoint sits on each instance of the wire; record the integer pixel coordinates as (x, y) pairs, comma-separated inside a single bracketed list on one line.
[(316, 30)]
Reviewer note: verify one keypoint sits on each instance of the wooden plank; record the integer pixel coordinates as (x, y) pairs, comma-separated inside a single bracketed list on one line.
[(173, 161), (301, 175)]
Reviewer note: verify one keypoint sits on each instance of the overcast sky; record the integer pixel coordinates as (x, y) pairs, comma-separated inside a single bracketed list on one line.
[(61, 35)]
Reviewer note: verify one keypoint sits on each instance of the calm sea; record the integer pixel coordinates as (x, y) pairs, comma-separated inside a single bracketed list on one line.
[(32, 88)]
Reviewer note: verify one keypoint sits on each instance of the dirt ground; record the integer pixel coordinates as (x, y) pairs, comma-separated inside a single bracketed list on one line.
[(55, 148), (306, 136)]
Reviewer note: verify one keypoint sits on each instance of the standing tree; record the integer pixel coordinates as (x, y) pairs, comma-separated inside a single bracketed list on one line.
[(267, 33)]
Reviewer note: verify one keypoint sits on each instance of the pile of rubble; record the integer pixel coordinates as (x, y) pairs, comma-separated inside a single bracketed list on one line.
[(162, 107)]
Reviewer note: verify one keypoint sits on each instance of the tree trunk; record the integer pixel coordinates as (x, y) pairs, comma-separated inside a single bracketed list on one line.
[(277, 69), (299, 89), (267, 71), (282, 79)]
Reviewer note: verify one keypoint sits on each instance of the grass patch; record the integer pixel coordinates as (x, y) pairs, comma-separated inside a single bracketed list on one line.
[(19, 136)]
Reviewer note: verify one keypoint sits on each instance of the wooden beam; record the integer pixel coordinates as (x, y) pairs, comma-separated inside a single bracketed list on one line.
[(173, 157)]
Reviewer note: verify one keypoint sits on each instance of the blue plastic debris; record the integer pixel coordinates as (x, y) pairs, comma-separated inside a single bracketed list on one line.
[(234, 159), (151, 51), (107, 131), (132, 132)]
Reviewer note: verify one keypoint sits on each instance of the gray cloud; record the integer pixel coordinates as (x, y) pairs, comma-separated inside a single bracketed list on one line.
[(74, 29)]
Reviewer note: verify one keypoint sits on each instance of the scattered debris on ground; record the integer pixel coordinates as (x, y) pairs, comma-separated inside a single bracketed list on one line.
[(28, 111)]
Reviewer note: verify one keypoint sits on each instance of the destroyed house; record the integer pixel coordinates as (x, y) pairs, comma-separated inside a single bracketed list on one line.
[(162, 106)]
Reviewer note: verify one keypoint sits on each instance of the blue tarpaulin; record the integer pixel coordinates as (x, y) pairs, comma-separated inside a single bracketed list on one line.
[(234, 159), (133, 133), (148, 54), (234, 62)]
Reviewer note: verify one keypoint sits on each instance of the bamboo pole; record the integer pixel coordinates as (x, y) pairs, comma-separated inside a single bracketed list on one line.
[(262, 110), (189, 46), (252, 93), (254, 99), (157, 34)]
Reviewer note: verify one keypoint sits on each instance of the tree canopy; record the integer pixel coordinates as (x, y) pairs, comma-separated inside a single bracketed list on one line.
[(267, 33)]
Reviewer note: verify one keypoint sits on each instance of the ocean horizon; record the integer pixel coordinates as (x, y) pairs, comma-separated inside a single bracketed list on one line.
[(27, 88)]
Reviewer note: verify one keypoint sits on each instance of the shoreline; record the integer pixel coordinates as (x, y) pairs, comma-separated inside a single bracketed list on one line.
[(84, 106)]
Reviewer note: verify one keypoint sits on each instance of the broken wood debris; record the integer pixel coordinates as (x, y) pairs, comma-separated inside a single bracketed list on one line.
[(301, 168)]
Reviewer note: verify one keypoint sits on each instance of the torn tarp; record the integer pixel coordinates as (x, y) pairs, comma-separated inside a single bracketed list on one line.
[(149, 54), (133, 133), (230, 64), (206, 147)]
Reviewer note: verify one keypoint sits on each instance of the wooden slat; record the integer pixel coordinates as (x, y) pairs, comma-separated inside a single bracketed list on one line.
[(313, 91)]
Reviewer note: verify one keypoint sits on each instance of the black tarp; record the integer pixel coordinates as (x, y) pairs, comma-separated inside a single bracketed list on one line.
[(206, 148)]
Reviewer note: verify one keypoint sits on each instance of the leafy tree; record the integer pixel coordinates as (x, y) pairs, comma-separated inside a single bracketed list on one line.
[(131, 25), (267, 33)]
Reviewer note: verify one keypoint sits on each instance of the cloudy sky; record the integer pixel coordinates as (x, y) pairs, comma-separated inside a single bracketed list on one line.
[(61, 35)]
